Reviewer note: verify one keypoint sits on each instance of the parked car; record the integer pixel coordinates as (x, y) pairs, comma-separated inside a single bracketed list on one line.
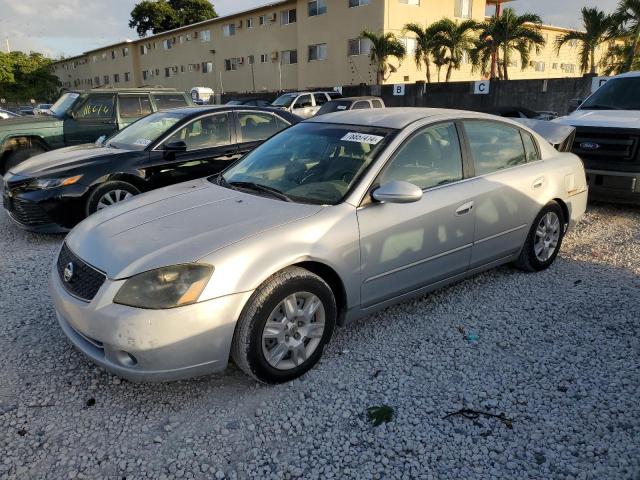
[(520, 112), (42, 109), (608, 139), (4, 114), (304, 104), (327, 221), (250, 101), (26, 111), (81, 117), (351, 103), (52, 192)]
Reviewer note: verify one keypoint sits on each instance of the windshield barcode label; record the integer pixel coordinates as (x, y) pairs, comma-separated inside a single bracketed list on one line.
[(362, 138)]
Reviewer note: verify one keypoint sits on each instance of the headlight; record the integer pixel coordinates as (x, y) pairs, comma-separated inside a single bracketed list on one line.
[(166, 287), (44, 183)]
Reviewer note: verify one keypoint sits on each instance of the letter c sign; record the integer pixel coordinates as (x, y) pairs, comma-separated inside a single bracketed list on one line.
[(482, 87)]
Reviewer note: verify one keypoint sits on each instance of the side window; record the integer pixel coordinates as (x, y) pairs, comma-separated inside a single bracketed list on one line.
[(303, 102), (430, 158), (321, 98), (134, 106), (361, 105), (256, 126), (95, 106), (494, 146), (211, 131), (167, 101), (530, 147), (376, 103)]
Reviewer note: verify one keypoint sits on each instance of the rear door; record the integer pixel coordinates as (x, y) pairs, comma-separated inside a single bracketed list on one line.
[(254, 127), (210, 146), (92, 117), (131, 107), (507, 190)]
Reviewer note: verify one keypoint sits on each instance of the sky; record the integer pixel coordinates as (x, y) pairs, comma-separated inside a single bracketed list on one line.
[(71, 27)]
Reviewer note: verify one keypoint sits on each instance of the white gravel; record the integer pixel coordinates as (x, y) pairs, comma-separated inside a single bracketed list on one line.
[(558, 353)]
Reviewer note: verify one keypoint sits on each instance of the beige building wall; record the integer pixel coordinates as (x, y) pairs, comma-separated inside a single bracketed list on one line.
[(251, 59)]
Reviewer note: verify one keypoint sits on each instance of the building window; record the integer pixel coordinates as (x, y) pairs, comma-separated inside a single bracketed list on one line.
[(96, 80), (166, 44), (205, 36), (463, 8), (410, 44), (143, 50), (127, 76), (555, 66), (167, 72), (359, 46), (113, 54), (539, 66), (106, 79), (116, 78), (229, 29), (568, 67), (262, 20), (318, 52), (250, 23), (410, 2), (125, 52), (251, 59), (231, 64), (264, 58), (317, 7), (187, 37), (207, 67), (358, 3), (104, 55), (288, 16), (94, 59), (289, 57)]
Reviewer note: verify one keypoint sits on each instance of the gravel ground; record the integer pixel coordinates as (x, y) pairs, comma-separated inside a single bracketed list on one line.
[(557, 353)]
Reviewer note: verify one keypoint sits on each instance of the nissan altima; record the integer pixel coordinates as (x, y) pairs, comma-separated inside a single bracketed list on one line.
[(327, 221)]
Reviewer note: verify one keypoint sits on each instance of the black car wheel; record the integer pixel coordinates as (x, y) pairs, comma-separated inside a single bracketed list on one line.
[(17, 157), (284, 326), (109, 194), (544, 239)]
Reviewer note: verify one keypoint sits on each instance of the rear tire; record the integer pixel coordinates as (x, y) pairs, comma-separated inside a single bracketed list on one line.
[(277, 339), (544, 239), (108, 194), (18, 156)]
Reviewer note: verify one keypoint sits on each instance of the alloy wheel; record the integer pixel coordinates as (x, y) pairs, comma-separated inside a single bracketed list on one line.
[(547, 236), (112, 197)]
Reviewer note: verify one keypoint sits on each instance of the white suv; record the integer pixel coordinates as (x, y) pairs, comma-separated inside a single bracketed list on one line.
[(608, 139), (304, 104)]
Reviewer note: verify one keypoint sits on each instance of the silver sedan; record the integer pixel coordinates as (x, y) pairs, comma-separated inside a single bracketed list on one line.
[(329, 220)]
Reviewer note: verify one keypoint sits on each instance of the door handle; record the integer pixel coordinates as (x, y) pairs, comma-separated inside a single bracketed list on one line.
[(464, 209), (538, 183)]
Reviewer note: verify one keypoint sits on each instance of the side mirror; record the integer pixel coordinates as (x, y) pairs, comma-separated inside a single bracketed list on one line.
[(397, 191), (178, 146)]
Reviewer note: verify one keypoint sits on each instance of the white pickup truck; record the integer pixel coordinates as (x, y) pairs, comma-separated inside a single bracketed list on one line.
[(608, 139)]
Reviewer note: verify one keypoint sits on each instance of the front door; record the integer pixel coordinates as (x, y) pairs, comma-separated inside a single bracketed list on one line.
[(210, 147), (91, 118), (303, 106), (407, 246)]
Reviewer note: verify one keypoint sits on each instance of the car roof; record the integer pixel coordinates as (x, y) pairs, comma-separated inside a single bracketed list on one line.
[(355, 99), (129, 90), (200, 109), (395, 117), (629, 74)]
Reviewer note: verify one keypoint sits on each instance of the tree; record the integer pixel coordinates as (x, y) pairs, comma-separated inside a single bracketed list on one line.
[(382, 48), (453, 40), (500, 36), (425, 46), (615, 60), (626, 25), (596, 26), (158, 16), (25, 76)]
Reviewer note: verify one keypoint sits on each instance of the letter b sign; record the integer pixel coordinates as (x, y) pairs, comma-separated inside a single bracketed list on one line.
[(398, 90)]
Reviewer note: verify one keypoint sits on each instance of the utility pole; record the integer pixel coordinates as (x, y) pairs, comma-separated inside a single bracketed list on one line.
[(8, 47)]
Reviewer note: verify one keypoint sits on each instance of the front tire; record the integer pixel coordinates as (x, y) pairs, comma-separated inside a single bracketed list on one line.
[(285, 326), (544, 239), (109, 194)]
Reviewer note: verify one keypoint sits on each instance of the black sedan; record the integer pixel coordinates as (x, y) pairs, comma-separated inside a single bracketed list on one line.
[(54, 191)]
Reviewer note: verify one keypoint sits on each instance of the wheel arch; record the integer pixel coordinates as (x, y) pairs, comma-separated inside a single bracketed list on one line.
[(329, 275), (565, 209), (16, 142)]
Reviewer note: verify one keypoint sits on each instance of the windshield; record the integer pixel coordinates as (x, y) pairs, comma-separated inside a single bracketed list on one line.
[(616, 94), (63, 104), (234, 102), (285, 100), (311, 162), (334, 106), (139, 135)]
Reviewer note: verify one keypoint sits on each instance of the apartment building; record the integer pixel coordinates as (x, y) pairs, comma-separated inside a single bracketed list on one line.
[(291, 44)]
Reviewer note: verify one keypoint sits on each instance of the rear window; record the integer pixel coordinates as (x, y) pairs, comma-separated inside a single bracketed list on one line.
[(134, 106), (166, 101), (334, 106)]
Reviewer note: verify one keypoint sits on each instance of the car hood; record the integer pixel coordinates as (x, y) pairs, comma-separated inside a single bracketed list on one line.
[(602, 118), (63, 159), (174, 225), (20, 123)]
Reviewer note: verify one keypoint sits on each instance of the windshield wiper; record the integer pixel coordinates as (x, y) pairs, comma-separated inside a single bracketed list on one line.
[(259, 188), (599, 107)]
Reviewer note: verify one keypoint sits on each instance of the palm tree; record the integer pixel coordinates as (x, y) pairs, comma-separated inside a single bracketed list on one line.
[(500, 36), (455, 39), (425, 45), (626, 24), (614, 62), (439, 59), (382, 48), (597, 25)]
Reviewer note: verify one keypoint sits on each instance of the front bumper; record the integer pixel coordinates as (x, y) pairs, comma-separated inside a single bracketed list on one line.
[(610, 186), (148, 345)]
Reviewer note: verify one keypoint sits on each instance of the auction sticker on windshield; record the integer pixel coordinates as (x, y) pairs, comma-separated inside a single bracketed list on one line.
[(142, 142), (362, 138)]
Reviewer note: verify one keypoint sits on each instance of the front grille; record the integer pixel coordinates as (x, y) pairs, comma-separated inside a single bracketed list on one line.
[(25, 212), (85, 281), (614, 145)]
